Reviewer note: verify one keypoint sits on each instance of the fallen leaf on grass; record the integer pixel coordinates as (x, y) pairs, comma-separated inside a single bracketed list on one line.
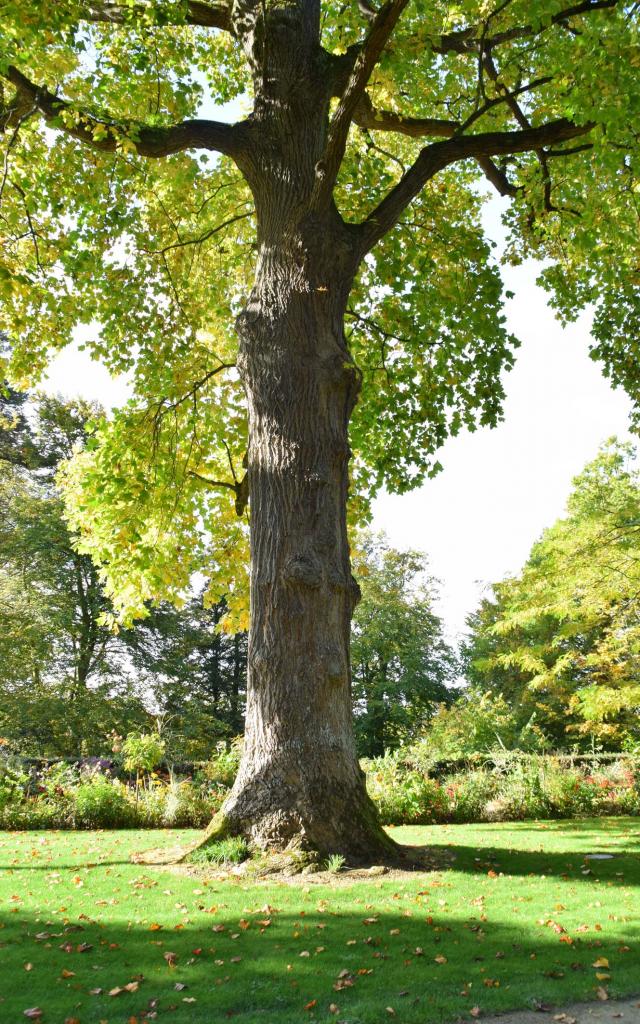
[(440, 959), (34, 1013), (475, 1011), (602, 993), (600, 962), (310, 1005)]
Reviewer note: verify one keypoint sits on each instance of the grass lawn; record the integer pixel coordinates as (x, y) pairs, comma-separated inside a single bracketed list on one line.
[(516, 919)]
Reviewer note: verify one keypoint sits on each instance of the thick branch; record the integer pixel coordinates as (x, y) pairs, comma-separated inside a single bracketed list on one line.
[(438, 155), (367, 116), (109, 136), (381, 28), (197, 13)]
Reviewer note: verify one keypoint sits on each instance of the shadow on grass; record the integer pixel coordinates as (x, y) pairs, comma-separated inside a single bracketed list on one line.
[(61, 866), (428, 967), (566, 864)]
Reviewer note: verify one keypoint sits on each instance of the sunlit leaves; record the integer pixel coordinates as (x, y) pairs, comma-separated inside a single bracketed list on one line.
[(566, 628), (152, 253)]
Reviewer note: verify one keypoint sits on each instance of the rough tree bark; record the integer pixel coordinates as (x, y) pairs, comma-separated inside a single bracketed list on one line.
[(299, 784)]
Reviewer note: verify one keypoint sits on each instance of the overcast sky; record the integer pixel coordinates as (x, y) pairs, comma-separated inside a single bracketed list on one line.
[(499, 488)]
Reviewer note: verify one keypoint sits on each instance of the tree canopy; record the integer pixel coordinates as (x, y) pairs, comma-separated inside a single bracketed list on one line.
[(537, 100), (561, 639)]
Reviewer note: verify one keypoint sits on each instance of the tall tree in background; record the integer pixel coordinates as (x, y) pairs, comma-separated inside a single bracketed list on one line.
[(67, 679), (198, 673), (338, 227), (562, 639), (52, 598), (401, 662)]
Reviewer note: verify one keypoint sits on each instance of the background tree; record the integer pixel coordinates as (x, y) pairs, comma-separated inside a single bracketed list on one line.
[(198, 674), (67, 679), (53, 597), (348, 197), (562, 639), (401, 663)]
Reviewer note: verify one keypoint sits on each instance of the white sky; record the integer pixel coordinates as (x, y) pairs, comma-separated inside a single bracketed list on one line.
[(499, 488)]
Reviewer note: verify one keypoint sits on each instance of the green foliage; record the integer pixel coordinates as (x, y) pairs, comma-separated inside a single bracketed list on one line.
[(97, 233), (99, 802), (232, 850), (45, 720), (67, 679), (51, 599), (519, 788), (507, 787), (198, 673), (143, 752), (401, 662), (334, 864), (561, 640), (402, 794), (476, 723), (222, 768), (63, 796)]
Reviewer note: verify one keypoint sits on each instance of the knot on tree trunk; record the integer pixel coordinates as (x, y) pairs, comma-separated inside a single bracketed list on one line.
[(305, 569)]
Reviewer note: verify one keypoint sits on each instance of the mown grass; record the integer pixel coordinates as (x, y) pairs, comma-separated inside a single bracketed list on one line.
[(513, 921)]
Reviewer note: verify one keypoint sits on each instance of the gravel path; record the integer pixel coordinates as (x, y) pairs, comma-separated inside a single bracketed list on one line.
[(627, 1011)]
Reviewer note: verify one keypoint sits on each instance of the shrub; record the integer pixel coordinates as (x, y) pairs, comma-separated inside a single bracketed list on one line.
[(468, 794), (142, 752), (191, 806), (223, 766), (102, 803), (477, 723), (403, 796)]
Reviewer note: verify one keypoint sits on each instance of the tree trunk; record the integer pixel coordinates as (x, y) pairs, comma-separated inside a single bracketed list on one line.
[(299, 783)]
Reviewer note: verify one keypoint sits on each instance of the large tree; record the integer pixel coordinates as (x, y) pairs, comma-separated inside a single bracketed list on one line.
[(402, 665), (561, 640), (51, 596), (197, 671), (336, 225)]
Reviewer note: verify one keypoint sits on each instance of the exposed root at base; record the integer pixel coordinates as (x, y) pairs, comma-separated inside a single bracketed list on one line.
[(217, 829)]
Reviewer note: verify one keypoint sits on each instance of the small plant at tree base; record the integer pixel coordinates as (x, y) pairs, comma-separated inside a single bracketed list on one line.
[(334, 863), (232, 850)]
